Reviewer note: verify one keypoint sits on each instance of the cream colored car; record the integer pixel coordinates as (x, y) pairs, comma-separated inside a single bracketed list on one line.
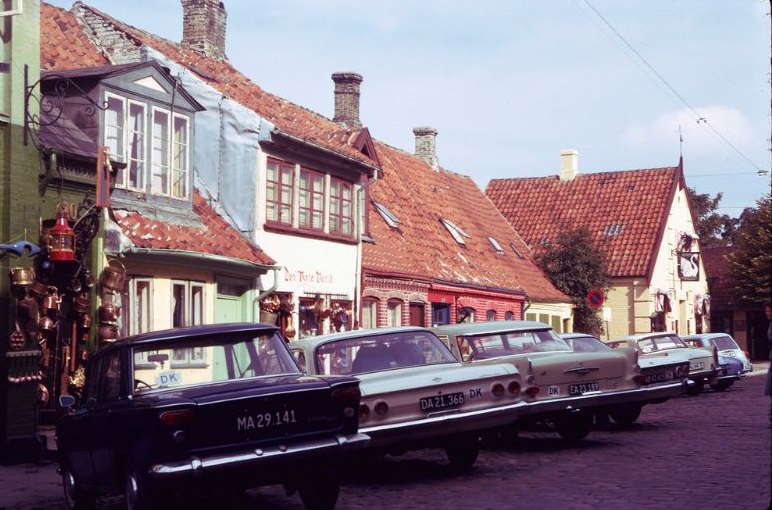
[(703, 361), (415, 394), (561, 387)]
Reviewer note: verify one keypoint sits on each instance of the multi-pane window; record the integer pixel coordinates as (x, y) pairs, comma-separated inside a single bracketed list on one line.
[(279, 192), (136, 306), (187, 310), (128, 130), (394, 313), (311, 200), (341, 208), (369, 314)]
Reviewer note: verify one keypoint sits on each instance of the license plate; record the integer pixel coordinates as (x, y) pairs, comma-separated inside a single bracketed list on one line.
[(442, 401), (658, 376), (698, 365), (578, 389), (266, 420)]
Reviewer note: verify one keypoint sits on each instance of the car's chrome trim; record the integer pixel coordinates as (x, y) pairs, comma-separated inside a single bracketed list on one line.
[(439, 424), (640, 395), (338, 444)]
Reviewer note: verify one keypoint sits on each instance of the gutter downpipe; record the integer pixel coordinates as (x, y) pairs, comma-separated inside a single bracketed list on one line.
[(266, 292)]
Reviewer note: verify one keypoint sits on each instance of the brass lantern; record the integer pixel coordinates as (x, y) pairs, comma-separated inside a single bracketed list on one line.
[(62, 247)]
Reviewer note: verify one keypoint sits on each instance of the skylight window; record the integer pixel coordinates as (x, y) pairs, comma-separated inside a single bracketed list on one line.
[(456, 231), (496, 246), (614, 230), (390, 219)]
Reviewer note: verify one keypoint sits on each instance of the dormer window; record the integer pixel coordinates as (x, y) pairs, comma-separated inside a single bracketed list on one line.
[(132, 131), (458, 234), (390, 219), (496, 246)]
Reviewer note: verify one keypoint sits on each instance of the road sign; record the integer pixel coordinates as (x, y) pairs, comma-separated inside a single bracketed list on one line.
[(595, 298)]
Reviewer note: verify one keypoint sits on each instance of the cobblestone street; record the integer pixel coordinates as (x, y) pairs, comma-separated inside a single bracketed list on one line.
[(706, 452)]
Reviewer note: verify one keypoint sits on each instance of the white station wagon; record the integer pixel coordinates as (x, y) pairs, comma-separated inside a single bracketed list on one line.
[(415, 393), (560, 386)]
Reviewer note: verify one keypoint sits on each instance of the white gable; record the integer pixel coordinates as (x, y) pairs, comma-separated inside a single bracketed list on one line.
[(151, 83)]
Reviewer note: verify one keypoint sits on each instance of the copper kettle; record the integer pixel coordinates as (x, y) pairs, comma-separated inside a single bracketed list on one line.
[(108, 313)]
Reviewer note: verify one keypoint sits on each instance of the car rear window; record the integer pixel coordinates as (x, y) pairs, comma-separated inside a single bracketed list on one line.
[(210, 359), (512, 342), (724, 343)]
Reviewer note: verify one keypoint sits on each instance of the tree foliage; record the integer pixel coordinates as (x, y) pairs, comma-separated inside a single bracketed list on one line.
[(712, 228), (751, 263), (576, 265)]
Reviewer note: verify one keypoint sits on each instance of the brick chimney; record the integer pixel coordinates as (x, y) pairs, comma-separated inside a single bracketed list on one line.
[(569, 165), (425, 145), (203, 27), (347, 99)]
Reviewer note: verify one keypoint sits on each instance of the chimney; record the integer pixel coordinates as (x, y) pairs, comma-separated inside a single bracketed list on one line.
[(426, 146), (347, 99), (203, 27), (569, 165)]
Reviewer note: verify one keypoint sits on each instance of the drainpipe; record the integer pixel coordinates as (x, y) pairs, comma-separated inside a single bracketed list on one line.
[(267, 291)]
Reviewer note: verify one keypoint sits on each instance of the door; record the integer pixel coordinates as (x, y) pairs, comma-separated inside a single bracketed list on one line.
[(417, 314), (232, 300)]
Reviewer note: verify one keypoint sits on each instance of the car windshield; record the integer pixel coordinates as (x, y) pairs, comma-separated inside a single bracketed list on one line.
[(660, 343), (587, 344), (210, 359), (513, 342), (372, 353)]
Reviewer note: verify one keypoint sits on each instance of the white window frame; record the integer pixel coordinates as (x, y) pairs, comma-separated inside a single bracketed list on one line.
[(115, 154), (369, 313), (394, 313), (154, 164), (195, 357), (142, 153), (184, 173)]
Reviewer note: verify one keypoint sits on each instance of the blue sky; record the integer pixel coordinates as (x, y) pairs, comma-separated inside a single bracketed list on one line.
[(510, 83)]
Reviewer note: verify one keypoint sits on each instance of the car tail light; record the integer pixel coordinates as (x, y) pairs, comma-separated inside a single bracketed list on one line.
[(364, 411), (177, 418), (639, 378), (532, 391), (514, 388), (497, 390), (682, 370), (346, 395), (381, 408)]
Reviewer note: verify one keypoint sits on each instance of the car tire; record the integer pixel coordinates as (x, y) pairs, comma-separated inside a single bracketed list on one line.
[(320, 490), (74, 497), (574, 427), (462, 454), (138, 495), (626, 415)]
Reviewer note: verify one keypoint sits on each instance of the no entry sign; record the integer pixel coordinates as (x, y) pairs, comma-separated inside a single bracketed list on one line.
[(595, 298)]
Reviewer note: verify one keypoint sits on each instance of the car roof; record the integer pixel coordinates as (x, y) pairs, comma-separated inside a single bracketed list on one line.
[(641, 336), (314, 341), (170, 335), (705, 335), (576, 335), (486, 327)]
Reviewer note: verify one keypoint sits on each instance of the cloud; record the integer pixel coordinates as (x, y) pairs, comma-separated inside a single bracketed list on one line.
[(697, 133)]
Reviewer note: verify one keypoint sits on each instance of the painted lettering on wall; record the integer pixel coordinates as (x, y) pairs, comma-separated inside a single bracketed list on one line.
[(310, 277)]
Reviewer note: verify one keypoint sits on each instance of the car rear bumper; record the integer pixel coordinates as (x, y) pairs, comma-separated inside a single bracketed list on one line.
[(594, 400), (271, 456), (435, 426)]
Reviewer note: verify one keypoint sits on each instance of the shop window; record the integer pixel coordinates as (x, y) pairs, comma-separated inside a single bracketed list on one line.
[(309, 319)]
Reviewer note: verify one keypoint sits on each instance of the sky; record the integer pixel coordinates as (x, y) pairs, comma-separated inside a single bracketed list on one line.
[(508, 84)]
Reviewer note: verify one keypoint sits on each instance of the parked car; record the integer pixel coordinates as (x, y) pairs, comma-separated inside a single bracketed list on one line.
[(560, 386), (670, 373), (415, 394), (729, 370), (726, 345), (221, 406), (703, 363)]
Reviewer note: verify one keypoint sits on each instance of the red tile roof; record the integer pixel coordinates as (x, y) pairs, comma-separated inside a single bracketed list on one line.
[(422, 247), (214, 236), (720, 282), (63, 44), (288, 117), (540, 208)]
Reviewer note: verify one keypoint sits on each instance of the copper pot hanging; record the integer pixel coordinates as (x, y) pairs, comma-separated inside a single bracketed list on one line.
[(21, 276), (113, 275), (108, 313)]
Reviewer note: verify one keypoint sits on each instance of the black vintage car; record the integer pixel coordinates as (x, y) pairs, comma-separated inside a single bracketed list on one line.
[(220, 405)]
